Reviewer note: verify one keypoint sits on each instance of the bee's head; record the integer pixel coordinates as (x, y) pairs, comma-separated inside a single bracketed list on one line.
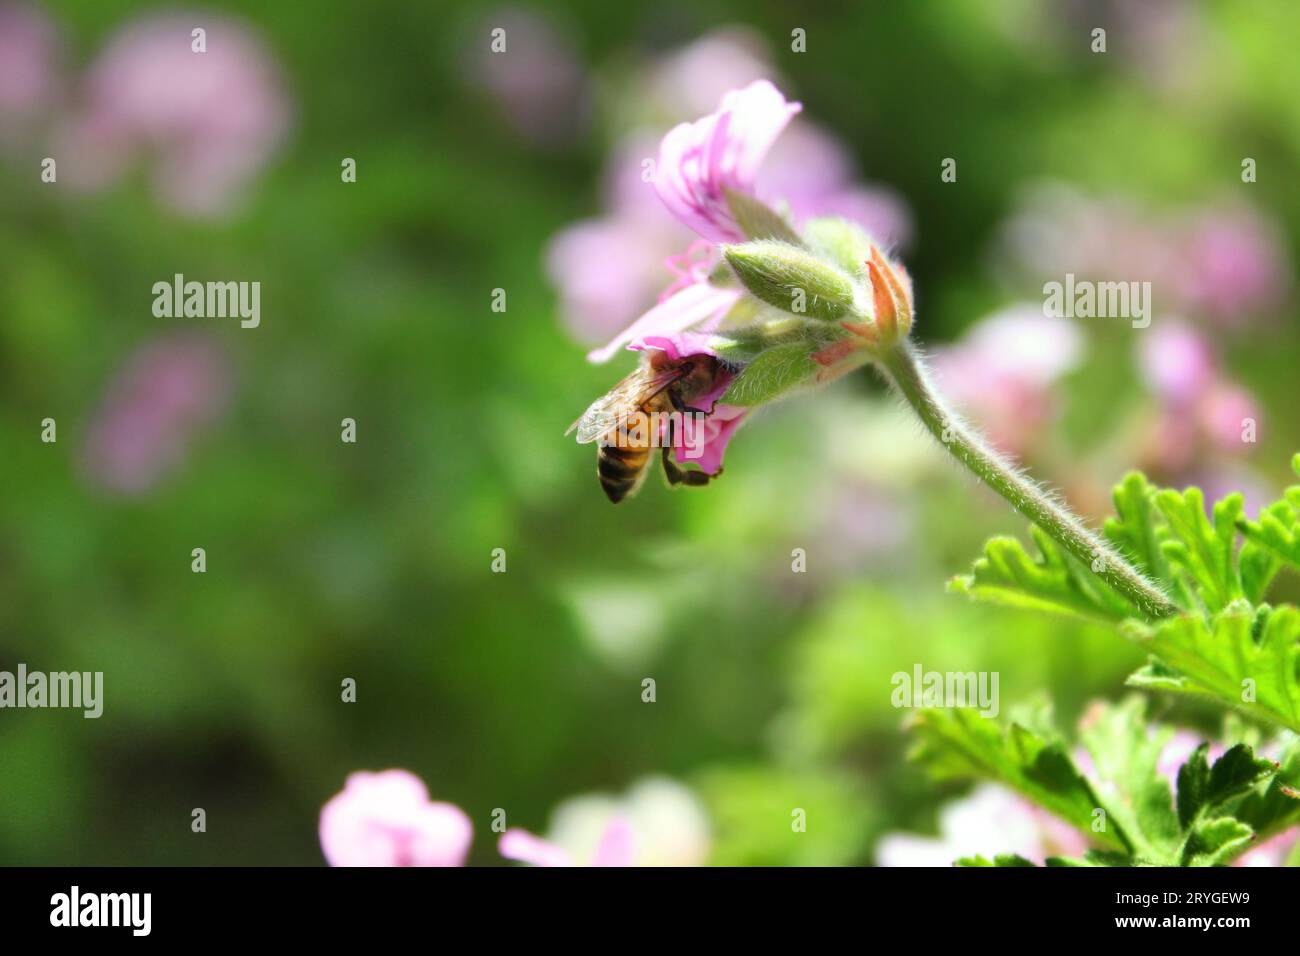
[(693, 373), (660, 362)]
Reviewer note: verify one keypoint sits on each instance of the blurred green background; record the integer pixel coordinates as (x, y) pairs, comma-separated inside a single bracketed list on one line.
[(519, 690)]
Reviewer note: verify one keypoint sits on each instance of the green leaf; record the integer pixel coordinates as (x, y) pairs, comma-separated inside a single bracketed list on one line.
[(1214, 842), (1246, 660), (1135, 796), (959, 744), (1054, 581), (1278, 529), (1221, 810), (757, 220), (1258, 567), (1157, 675), (1166, 535), (1271, 809), (1092, 858), (1277, 532), (1203, 550), (1135, 530), (773, 373), (1002, 859), (1203, 789)]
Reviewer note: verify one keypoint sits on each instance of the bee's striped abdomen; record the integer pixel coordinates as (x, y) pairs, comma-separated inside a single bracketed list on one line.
[(620, 470)]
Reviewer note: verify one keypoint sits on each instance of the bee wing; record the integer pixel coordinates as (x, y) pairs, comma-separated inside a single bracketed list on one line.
[(611, 409)]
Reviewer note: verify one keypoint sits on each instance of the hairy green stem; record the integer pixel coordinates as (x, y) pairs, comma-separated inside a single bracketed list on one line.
[(903, 367)]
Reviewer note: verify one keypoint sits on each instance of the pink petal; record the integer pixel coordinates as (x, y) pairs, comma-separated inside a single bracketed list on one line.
[(758, 114), (387, 819), (691, 305), (706, 448), (700, 161), (677, 346), (517, 844), (1177, 363)]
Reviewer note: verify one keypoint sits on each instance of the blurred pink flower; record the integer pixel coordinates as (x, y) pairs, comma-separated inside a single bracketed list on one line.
[(615, 848), (208, 121), (538, 81), (165, 393), (1002, 372), (1233, 266), (1200, 409), (695, 77), (28, 67), (1225, 414), (811, 172), (700, 162), (387, 819), (657, 822), (1177, 362), (606, 269), (991, 821), (1272, 852), (1223, 263)]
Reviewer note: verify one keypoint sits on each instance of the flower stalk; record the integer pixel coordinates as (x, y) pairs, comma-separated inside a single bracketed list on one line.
[(906, 372)]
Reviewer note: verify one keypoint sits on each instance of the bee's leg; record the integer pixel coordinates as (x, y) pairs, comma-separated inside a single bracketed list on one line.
[(677, 475)]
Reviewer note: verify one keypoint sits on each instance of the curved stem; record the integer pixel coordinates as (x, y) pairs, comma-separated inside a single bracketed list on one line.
[(907, 374)]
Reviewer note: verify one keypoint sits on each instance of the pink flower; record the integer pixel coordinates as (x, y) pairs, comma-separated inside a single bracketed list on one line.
[(695, 77), (538, 81), (165, 393), (700, 162), (614, 849), (387, 819), (1224, 416), (1177, 362), (606, 270), (208, 120), (702, 442), (1233, 265), (1200, 407), (812, 172), (1003, 371), (1272, 852)]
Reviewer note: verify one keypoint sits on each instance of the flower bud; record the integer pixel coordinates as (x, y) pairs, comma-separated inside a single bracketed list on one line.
[(794, 280), (891, 304), (844, 243)]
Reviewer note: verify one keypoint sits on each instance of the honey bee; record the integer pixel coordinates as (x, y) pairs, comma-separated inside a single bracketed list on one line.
[(625, 421)]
